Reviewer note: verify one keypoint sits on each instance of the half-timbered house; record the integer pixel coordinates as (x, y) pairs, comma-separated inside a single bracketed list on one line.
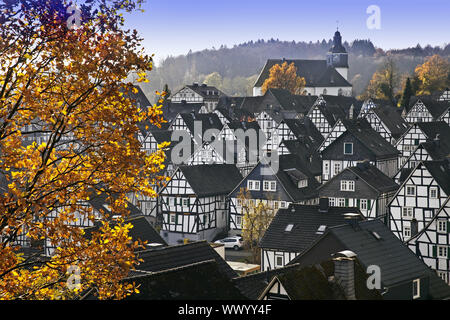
[(207, 95), (417, 134), (294, 229), (419, 197), (432, 244), (293, 182), (192, 204), (403, 276), (358, 143), (387, 121), (425, 109), (294, 129), (433, 150), (364, 187)]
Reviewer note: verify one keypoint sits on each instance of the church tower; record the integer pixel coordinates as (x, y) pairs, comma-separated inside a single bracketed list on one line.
[(337, 57)]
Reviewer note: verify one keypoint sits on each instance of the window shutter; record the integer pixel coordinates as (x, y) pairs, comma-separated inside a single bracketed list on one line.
[(448, 226), (434, 251), (346, 202), (369, 204), (176, 219), (358, 204)]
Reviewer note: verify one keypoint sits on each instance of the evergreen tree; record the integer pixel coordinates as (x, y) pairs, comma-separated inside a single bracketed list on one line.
[(407, 93)]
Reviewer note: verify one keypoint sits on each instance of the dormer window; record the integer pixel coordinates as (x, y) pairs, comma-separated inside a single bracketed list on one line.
[(303, 183), (348, 148), (289, 228)]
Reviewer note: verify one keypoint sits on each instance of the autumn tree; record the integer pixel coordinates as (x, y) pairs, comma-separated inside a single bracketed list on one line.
[(433, 75), (384, 83), (257, 216), (66, 83), (284, 77)]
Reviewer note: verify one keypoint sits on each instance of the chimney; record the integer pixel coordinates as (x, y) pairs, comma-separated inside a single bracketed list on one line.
[(352, 219), (351, 112), (437, 140), (324, 205), (344, 272)]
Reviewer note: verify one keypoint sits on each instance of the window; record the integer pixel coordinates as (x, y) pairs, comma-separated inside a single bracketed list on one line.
[(283, 204), (433, 192), (337, 168), (254, 185), (410, 190), (332, 202), (341, 202), (347, 185), (407, 212), (416, 289), (303, 183), (442, 226), (443, 275), (326, 168), (276, 205), (348, 148), (173, 218), (289, 228), (269, 185), (238, 221), (442, 252), (363, 204), (407, 232), (273, 186), (185, 202), (278, 261)]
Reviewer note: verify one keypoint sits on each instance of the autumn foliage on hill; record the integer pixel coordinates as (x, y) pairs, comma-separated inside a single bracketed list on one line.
[(284, 77), (433, 75), (69, 86)]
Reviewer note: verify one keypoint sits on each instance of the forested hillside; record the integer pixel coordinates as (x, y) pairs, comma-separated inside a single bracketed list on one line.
[(234, 70)]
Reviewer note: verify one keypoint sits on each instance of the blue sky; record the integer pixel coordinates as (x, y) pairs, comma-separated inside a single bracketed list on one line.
[(173, 27)]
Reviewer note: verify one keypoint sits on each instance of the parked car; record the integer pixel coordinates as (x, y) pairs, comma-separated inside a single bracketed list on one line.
[(235, 243)]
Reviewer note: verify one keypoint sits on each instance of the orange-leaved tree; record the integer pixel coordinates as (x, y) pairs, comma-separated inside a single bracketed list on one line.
[(433, 74), (284, 76), (68, 131)]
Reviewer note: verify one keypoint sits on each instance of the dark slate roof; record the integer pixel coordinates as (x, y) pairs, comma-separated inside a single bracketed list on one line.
[(212, 179), (252, 286), (182, 255), (332, 113), (203, 89), (305, 128), (306, 149), (208, 120), (371, 139), (317, 282), (252, 105), (344, 103), (199, 281), (288, 101), (140, 98), (431, 129), (306, 221), (397, 261), (440, 170), (374, 177), (142, 230), (98, 202), (437, 149), (171, 109), (292, 161), (315, 72), (404, 174), (392, 119), (162, 135)]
